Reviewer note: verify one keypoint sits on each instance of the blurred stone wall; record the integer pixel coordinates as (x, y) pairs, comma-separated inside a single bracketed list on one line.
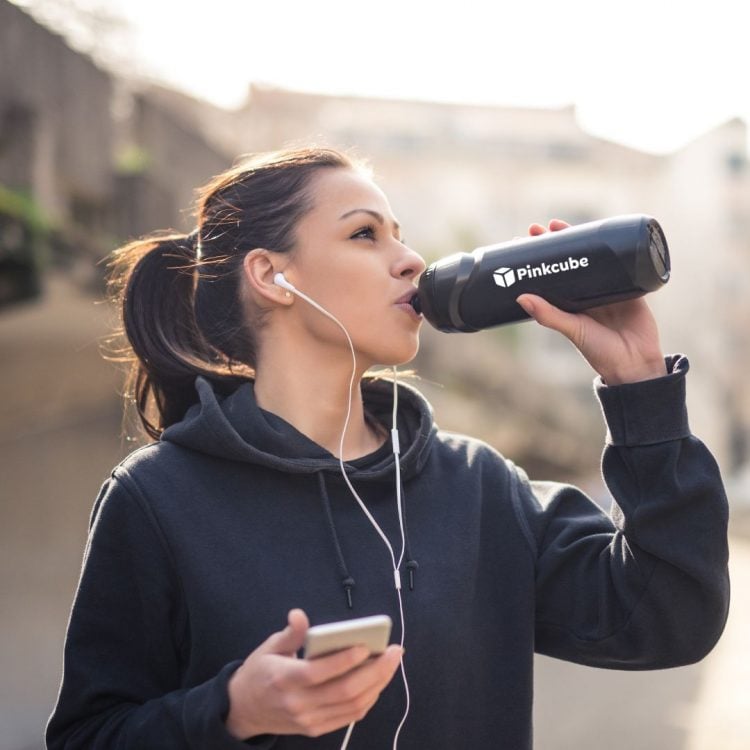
[(56, 133)]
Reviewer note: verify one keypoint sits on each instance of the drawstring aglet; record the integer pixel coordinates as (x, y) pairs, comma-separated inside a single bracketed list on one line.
[(348, 584), (411, 566)]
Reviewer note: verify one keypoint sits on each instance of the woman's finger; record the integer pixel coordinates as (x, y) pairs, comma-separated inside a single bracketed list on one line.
[(556, 225), (369, 679), (349, 698), (548, 315)]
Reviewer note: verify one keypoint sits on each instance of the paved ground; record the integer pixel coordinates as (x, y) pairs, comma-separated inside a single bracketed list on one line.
[(59, 436)]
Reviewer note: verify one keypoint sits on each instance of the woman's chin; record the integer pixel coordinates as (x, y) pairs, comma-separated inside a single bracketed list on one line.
[(401, 358)]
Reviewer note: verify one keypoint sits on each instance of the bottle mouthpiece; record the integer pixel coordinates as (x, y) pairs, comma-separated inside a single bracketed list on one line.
[(416, 304)]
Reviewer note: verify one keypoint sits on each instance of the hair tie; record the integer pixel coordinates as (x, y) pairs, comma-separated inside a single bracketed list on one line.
[(193, 241)]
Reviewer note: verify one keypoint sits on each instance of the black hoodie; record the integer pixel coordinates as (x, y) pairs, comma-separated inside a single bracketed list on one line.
[(202, 542)]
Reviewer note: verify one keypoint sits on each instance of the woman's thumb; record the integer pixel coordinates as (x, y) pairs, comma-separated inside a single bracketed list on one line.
[(289, 640)]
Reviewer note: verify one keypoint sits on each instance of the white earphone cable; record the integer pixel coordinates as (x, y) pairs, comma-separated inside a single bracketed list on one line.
[(281, 281), (397, 461)]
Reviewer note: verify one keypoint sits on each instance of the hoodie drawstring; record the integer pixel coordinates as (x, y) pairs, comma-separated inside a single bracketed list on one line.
[(347, 582), (411, 563)]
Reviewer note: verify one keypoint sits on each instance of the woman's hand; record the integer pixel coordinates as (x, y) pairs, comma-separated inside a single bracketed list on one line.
[(274, 692), (620, 341)]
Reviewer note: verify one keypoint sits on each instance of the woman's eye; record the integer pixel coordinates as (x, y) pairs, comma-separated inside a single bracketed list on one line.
[(367, 233)]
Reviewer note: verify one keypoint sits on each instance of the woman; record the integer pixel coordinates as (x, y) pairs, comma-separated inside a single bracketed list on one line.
[(245, 513)]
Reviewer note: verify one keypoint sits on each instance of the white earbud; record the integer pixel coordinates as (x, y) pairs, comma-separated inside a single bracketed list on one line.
[(281, 281)]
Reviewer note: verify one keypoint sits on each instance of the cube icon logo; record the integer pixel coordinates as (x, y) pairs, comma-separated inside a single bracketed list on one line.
[(504, 277)]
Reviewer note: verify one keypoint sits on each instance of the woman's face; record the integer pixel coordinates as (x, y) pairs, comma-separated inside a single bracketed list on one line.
[(349, 257)]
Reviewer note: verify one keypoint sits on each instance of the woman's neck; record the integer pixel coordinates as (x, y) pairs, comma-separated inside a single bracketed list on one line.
[(313, 397)]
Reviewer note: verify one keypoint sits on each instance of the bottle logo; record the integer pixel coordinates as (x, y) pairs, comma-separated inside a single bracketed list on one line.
[(506, 277)]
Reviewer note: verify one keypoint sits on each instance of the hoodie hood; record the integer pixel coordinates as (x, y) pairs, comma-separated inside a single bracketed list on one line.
[(236, 428)]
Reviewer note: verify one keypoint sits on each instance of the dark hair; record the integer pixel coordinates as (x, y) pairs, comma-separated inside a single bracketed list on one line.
[(182, 311)]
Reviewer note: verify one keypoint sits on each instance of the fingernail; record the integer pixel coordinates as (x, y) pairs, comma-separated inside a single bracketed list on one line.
[(526, 304)]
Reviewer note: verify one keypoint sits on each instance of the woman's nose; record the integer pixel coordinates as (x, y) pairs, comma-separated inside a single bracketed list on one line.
[(410, 264)]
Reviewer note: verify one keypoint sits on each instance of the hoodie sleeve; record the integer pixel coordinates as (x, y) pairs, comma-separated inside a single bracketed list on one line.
[(646, 587), (121, 685)]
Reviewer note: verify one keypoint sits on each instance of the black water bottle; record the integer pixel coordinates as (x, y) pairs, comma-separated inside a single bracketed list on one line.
[(576, 268)]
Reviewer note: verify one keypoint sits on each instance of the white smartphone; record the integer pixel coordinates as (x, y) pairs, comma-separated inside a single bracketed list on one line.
[(372, 632)]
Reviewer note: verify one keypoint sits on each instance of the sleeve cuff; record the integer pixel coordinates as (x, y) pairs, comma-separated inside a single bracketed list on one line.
[(648, 412), (206, 709)]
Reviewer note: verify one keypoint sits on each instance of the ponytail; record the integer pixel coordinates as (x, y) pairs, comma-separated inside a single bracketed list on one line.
[(153, 281), (184, 312)]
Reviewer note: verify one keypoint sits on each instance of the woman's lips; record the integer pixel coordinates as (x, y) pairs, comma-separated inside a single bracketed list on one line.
[(405, 303), (408, 308)]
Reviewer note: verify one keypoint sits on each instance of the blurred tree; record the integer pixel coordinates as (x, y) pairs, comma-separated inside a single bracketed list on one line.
[(24, 233)]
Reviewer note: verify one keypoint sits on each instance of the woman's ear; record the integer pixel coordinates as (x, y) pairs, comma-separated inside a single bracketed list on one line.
[(259, 270)]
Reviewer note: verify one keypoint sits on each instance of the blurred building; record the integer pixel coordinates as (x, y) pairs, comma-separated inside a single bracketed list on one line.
[(461, 176), (110, 165), (96, 159)]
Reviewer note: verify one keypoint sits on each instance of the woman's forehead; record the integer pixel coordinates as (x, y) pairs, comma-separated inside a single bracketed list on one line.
[(341, 191)]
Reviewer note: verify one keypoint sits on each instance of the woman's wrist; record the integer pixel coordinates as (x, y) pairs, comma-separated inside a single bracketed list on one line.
[(237, 725), (636, 372)]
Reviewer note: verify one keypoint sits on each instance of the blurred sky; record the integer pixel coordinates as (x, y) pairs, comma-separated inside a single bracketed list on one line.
[(649, 73)]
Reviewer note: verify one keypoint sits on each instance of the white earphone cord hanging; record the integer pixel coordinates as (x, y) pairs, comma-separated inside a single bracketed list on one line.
[(281, 281)]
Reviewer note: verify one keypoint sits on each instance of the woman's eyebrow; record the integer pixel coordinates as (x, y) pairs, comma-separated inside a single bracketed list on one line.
[(377, 216)]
